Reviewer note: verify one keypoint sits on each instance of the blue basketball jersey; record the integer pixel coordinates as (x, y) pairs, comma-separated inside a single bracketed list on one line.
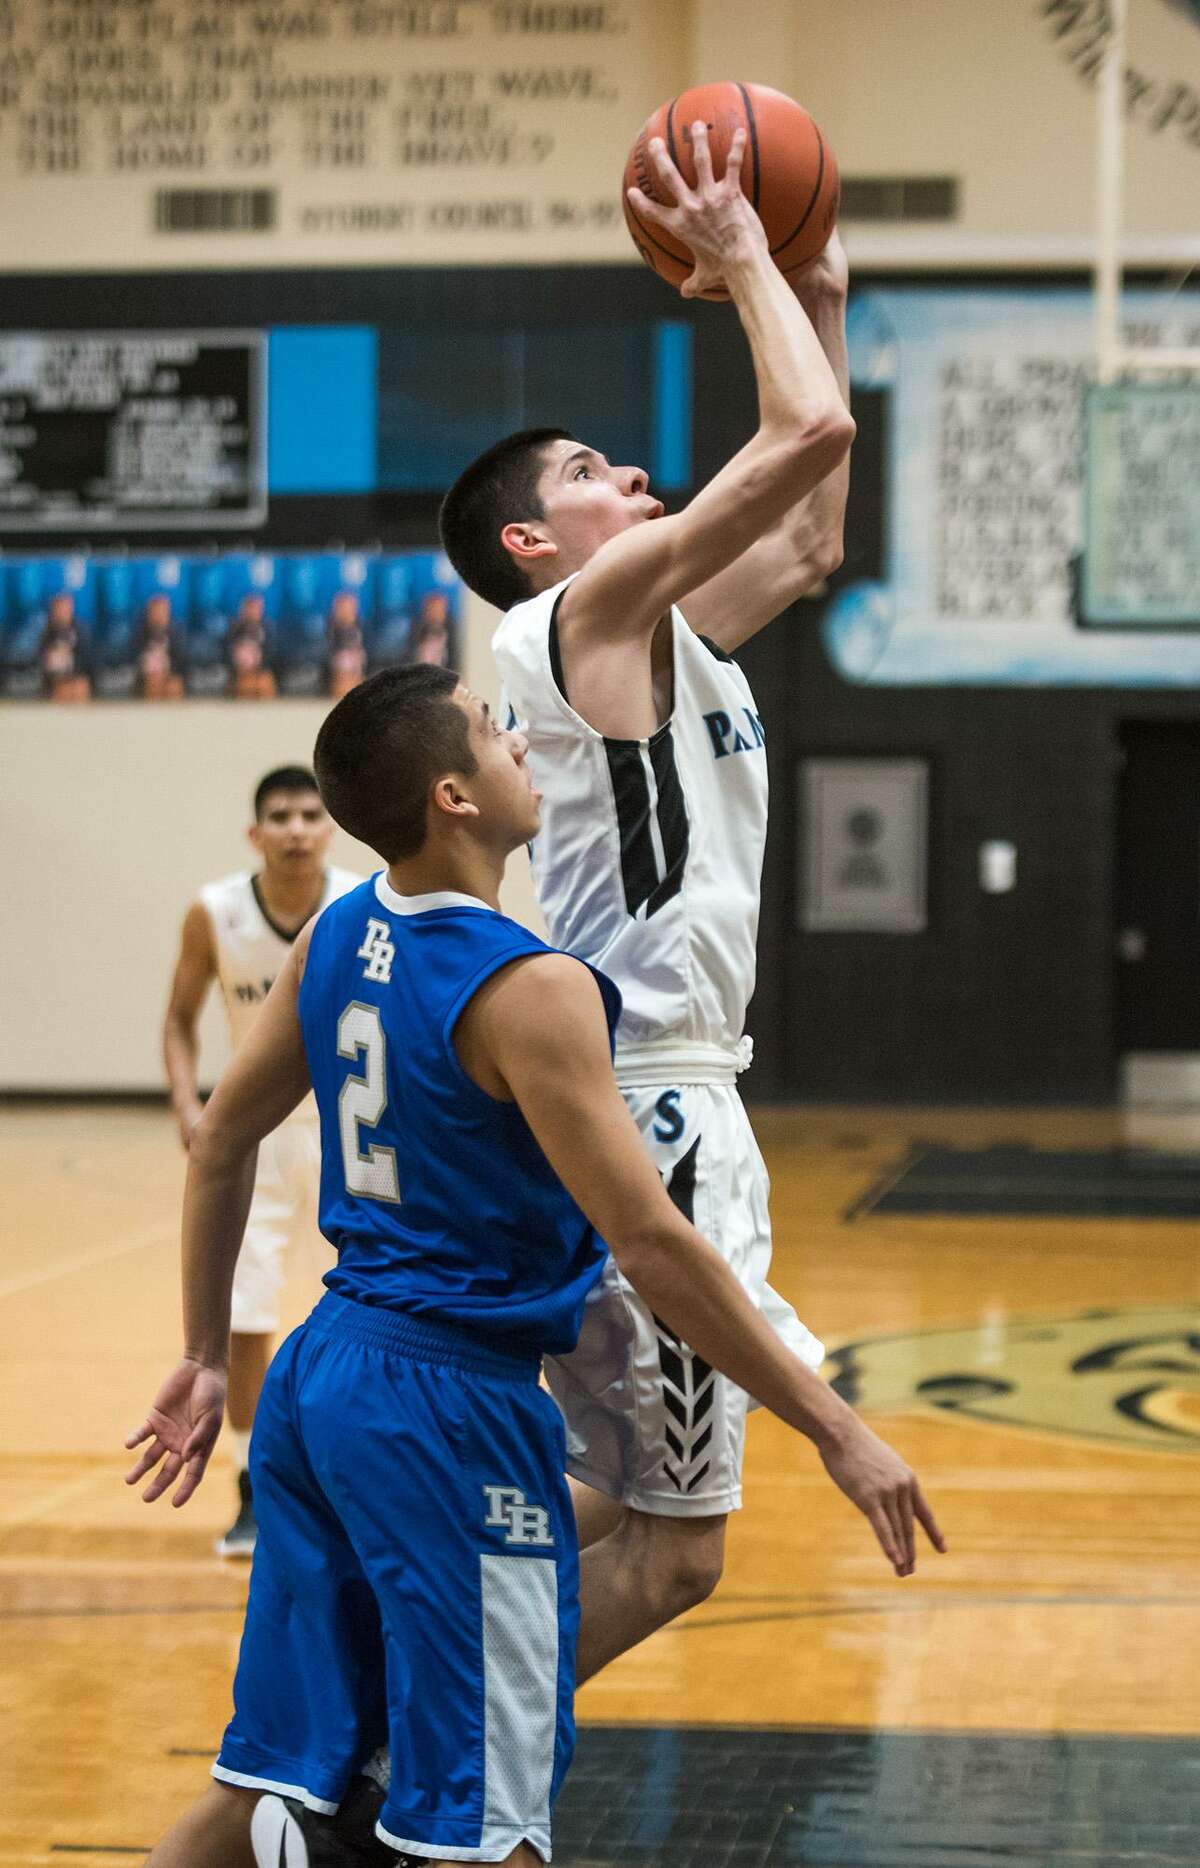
[(436, 1196)]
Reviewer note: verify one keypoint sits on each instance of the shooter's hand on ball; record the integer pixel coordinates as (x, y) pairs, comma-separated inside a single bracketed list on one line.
[(182, 1428), (714, 220)]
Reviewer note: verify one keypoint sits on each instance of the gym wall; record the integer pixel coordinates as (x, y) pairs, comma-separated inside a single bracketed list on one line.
[(513, 120), (113, 815), (466, 132)]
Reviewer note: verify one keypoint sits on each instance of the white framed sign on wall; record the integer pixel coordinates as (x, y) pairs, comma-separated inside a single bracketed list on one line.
[(863, 845)]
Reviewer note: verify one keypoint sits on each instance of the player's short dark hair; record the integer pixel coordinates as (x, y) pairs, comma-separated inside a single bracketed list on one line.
[(283, 778), (498, 489), (382, 747)]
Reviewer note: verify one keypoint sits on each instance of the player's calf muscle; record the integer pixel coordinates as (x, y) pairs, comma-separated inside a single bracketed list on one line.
[(214, 1833)]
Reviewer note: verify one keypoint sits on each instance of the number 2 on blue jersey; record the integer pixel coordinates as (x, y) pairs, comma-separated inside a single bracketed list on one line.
[(362, 1102)]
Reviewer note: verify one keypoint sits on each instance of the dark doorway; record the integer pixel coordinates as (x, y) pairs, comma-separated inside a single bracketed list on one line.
[(1158, 887)]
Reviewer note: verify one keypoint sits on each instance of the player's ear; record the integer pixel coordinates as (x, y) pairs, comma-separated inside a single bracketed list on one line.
[(526, 541), (254, 835), (449, 795)]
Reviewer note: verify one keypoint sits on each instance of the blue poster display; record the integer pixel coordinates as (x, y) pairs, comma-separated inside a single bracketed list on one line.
[(141, 637), (248, 625), (49, 615)]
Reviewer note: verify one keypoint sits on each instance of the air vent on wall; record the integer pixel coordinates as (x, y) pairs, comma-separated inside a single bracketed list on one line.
[(899, 198), (215, 210)]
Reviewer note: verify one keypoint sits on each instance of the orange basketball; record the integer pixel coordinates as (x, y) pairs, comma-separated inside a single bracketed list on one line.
[(788, 171)]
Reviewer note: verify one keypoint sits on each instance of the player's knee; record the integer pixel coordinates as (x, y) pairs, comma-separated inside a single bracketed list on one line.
[(685, 1565), (694, 1576)]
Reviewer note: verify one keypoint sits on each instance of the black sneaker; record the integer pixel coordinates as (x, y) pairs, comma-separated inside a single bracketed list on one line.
[(284, 1834), (242, 1535)]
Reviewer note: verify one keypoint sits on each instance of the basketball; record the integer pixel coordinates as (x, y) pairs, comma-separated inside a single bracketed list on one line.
[(789, 172)]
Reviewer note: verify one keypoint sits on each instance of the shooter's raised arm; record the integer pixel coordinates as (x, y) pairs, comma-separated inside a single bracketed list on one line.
[(804, 427), (795, 557)]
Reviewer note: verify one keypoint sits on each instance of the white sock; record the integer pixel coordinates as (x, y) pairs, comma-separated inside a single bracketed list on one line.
[(239, 1446), (378, 1768)]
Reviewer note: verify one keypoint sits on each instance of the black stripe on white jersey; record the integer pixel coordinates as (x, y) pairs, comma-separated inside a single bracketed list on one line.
[(672, 818), (654, 842), (689, 1382), (651, 819)]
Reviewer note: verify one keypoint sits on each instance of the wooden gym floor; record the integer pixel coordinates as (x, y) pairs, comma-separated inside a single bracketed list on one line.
[(1040, 1370)]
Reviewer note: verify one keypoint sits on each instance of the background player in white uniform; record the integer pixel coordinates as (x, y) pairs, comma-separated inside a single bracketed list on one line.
[(646, 741), (239, 932)]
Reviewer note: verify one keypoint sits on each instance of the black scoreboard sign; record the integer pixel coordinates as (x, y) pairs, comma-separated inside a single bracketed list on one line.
[(122, 430)]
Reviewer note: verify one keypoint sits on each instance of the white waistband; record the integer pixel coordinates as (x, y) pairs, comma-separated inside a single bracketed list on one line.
[(681, 1060)]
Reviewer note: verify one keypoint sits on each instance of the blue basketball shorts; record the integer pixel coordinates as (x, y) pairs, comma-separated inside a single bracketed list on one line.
[(415, 1584)]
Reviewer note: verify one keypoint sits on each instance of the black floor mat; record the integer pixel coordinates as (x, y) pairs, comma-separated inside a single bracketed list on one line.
[(709, 1797), (1034, 1182)]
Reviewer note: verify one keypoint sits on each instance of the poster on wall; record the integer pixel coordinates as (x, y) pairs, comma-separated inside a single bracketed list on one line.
[(242, 625), (1141, 506), (215, 134), (863, 845), (982, 487)]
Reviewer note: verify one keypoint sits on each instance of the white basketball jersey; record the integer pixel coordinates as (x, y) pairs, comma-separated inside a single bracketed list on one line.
[(649, 859), (250, 947)]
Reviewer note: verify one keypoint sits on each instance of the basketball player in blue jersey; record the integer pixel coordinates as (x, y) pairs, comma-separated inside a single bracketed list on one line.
[(616, 653), (415, 1579)]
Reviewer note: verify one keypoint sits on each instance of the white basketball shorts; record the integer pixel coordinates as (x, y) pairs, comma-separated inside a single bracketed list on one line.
[(282, 1225), (648, 1421)]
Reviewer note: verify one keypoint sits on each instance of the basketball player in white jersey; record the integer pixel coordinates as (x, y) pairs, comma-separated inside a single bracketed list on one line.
[(646, 741), (239, 932)]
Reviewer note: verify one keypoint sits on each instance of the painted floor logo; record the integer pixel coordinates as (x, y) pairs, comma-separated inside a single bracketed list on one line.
[(1128, 1377)]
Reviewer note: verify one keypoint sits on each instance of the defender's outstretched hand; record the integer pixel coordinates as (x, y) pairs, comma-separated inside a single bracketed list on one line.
[(886, 1491), (714, 220), (182, 1428)]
